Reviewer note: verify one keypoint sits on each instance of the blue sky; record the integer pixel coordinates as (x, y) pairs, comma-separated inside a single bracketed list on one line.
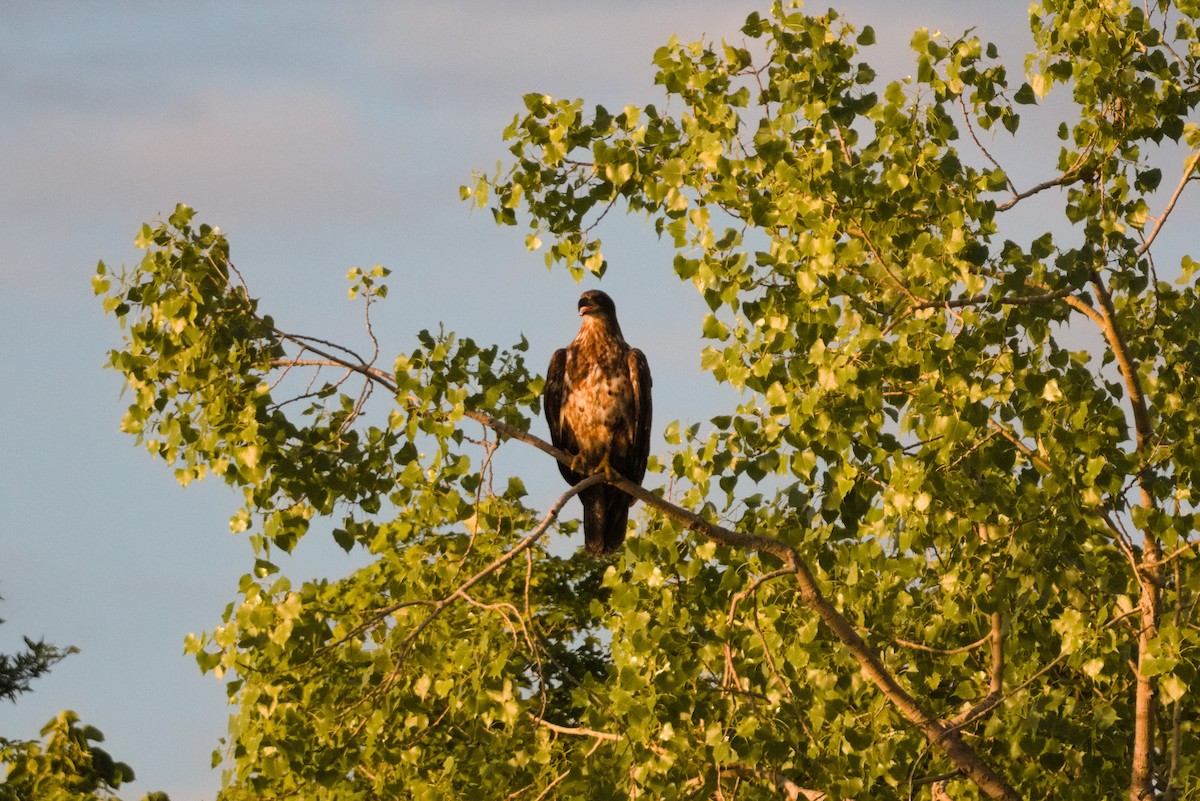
[(320, 137)]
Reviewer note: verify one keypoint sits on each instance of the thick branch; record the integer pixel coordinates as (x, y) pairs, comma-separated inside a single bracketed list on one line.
[(1133, 383), (1077, 303), (1141, 781)]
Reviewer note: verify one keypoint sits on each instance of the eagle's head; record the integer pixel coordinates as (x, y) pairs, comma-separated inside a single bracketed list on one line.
[(595, 302)]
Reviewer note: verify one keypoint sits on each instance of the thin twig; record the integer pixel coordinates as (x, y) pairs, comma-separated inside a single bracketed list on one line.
[(862, 234), (916, 646), (1182, 549), (305, 341), (971, 130), (751, 590), (575, 731), (1061, 180), (1192, 163), (982, 299), (1069, 176)]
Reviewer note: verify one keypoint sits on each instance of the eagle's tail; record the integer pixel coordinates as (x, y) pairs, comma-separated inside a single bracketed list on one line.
[(605, 514)]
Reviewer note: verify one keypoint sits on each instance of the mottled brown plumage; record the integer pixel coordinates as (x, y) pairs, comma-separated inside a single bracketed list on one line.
[(597, 401)]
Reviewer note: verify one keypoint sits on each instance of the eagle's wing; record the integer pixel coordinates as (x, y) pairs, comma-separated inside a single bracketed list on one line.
[(553, 398), (639, 379), (553, 394)]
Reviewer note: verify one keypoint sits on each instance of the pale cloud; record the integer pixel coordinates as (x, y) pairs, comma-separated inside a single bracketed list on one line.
[(244, 147), (568, 49), (265, 158)]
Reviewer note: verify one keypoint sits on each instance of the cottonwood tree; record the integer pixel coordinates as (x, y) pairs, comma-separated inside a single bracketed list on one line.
[(68, 766), (943, 546)]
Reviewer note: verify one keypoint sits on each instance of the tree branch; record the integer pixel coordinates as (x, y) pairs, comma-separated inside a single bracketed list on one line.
[(916, 646), (1070, 176), (861, 233), (962, 104), (1077, 303), (995, 679), (751, 591), (1028, 452), (1115, 337), (938, 732), (791, 790), (575, 731), (358, 365), (461, 590), (1062, 180), (1141, 781), (1188, 173), (1182, 549), (981, 299)]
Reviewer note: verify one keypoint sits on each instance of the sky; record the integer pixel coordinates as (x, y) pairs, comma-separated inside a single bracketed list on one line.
[(319, 137)]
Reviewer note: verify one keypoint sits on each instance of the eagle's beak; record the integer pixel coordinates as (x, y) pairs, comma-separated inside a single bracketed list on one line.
[(585, 308)]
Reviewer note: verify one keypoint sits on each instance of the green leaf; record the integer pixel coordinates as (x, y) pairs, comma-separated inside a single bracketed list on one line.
[(1025, 95)]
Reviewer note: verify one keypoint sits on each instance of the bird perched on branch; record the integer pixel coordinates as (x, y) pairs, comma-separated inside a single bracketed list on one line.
[(597, 401)]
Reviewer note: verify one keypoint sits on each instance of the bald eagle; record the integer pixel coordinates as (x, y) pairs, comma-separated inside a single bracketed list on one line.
[(597, 401)]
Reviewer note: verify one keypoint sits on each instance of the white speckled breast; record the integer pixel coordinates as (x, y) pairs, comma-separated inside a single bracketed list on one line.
[(598, 394)]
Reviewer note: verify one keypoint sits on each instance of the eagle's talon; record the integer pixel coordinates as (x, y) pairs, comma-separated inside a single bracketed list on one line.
[(610, 472), (579, 464)]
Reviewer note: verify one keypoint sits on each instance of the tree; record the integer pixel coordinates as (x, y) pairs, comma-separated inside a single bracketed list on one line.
[(68, 767), (17, 670), (944, 545)]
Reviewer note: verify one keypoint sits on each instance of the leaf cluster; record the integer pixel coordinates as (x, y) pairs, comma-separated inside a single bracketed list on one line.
[(69, 766)]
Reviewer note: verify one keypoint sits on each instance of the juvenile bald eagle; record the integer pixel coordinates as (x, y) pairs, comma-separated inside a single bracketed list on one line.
[(597, 402)]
